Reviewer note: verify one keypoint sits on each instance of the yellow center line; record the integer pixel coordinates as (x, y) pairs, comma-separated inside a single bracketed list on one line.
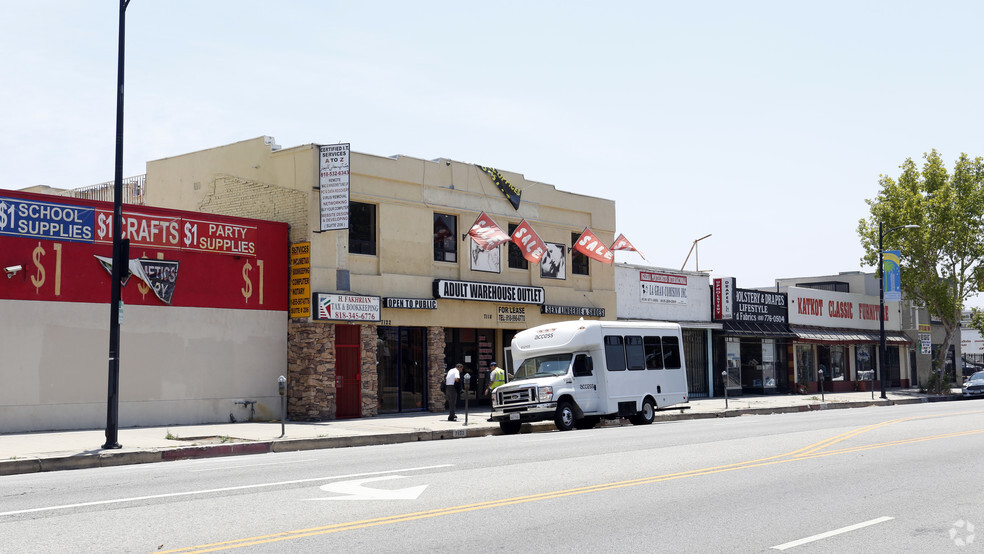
[(816, 450)]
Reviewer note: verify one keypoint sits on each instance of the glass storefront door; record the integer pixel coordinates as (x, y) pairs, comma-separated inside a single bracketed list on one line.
[(402, 356)]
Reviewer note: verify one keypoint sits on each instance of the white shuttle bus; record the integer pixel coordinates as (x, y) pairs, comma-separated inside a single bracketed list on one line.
[(578, 372)]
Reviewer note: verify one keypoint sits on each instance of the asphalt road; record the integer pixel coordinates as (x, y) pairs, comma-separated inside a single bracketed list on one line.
[(898, 478)]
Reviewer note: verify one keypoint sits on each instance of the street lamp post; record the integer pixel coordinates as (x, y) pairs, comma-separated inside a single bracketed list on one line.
[(882, 349), (120, 255)]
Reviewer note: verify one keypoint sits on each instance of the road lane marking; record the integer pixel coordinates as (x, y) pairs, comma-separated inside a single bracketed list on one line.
[(802, 454), (355, 490), (208, 491), (835, 532), (250, 465)]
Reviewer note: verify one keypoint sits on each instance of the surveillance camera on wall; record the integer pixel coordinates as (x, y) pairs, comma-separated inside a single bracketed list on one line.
[(12, 270)]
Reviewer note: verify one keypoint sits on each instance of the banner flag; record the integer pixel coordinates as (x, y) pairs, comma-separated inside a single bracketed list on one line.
[(892, 274), (511, 193), (622, 243), (529, 242), (486, 234), (592, 247)]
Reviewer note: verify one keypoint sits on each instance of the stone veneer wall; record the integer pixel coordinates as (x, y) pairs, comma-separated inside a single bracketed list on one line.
[(370, 372), (311, 371), (437, 369)]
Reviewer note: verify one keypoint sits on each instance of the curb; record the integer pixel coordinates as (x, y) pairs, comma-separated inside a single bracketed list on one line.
[(112, 458)]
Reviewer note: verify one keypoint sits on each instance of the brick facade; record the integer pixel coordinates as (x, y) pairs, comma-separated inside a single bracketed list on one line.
[(231, 195)]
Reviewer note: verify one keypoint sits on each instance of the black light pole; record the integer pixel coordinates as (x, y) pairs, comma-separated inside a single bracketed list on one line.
[(882, 350), (113, 397)]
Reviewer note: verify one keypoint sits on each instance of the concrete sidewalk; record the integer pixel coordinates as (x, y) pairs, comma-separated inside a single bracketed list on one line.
[(53, 451)]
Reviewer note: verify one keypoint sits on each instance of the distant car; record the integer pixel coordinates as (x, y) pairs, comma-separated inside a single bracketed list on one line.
[(974, 386)]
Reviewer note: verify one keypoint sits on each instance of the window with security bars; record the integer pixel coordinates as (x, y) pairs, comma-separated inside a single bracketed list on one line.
[(362, 228), (445, 238)]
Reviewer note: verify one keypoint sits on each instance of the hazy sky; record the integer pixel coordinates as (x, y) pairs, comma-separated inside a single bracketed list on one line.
[(765, 124)]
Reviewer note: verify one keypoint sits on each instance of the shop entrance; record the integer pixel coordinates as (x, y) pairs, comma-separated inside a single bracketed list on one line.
[(402, 368), (348, 372), (475, 348)]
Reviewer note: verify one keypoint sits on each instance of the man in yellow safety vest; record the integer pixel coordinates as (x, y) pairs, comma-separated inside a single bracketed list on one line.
[(496, 378)]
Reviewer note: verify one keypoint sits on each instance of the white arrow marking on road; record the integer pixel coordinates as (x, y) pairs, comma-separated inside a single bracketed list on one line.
[(353, 490)]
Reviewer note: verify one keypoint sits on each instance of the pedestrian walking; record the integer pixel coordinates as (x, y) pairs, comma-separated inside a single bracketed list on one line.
[(452, 384), (496, 379)]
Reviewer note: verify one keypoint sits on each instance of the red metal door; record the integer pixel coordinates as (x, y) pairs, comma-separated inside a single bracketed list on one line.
[(348, 374)]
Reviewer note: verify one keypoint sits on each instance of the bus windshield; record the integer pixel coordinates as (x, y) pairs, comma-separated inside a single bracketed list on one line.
[(543, 366)]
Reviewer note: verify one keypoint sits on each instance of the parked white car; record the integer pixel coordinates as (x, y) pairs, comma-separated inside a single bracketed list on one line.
[(974, 386)]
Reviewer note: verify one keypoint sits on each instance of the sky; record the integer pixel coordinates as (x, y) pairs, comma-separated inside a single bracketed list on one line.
[(763, 124)]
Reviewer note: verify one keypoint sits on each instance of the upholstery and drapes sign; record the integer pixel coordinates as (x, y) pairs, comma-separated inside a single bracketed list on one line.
[(511, 193)]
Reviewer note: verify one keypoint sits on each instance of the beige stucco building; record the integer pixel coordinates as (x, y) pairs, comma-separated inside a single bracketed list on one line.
[(431, 299)]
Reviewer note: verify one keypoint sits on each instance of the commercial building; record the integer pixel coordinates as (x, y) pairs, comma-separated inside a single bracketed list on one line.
[(387, 287), (202, 318), (753, 349), (912, 337), (661, 294)]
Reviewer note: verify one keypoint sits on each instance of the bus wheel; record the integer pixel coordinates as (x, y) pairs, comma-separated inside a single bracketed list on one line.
[(588, 422), (510, 427), (565, 416), (646, 415)]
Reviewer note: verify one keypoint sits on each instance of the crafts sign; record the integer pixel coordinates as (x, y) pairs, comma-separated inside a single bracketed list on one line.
[(225, 262)]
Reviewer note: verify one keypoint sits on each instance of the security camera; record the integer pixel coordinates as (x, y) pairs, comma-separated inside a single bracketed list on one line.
[(447, 162), (12, 270)]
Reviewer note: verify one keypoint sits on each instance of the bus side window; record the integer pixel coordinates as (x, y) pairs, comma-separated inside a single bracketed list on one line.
[(635, 355), (582, 366), (654, 354), (671, 353), (614, 353)]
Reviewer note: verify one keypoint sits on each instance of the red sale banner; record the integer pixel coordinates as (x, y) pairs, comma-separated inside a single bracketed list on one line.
[(589, 245)]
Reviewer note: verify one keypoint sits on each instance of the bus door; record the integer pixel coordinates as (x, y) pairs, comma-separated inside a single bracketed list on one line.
[(586, 392)]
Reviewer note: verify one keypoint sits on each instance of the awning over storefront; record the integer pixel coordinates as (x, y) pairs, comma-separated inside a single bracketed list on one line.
[(853, 336), (752, 329)]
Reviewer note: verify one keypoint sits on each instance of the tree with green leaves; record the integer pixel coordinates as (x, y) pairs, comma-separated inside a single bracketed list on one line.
[(942, 259)]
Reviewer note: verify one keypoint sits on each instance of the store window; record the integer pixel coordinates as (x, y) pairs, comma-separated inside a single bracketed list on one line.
[(362, 228), (579, 261), (401, 353), (832, 361), (864, 362), (445, 238), (516, 259), (806, 369)]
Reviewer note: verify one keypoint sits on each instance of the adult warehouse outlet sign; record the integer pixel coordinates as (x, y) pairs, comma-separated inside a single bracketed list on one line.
[(487, 292)]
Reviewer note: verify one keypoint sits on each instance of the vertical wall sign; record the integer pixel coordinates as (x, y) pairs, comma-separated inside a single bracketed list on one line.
[(300, 280), (334, 182)]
